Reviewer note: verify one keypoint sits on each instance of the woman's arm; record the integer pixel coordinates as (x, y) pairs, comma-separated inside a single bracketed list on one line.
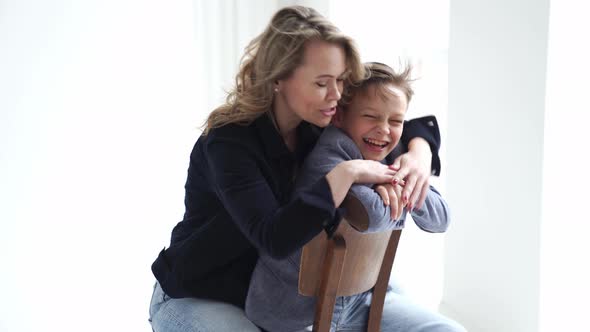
[(274, 226), (421, 136), (274, 222), (346, 173), (414, 169), (426, 128)]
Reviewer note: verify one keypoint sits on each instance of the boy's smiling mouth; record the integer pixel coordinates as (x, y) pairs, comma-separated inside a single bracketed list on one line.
[(375, 142)]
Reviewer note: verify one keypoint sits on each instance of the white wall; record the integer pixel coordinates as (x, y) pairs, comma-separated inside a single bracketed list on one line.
[(100, 103), (497, 74), (97, 117), (565, 271), (223, 29)]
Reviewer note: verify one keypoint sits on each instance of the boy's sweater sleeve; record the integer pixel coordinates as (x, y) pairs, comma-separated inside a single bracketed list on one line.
[(434, 216), (335, 147), (379, 214)]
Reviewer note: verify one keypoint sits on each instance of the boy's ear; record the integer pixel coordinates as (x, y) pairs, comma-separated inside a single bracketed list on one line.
[(338, 118)]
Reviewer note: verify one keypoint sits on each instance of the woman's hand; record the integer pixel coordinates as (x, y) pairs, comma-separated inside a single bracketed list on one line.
[(413, 168), (341, 177), (392, 197), (370, 171)]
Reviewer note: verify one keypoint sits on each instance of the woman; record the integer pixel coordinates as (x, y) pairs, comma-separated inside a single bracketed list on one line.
[(239, 191)]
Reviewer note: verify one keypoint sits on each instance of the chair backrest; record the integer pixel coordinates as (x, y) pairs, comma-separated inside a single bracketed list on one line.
[(361, 265), (351, 262)]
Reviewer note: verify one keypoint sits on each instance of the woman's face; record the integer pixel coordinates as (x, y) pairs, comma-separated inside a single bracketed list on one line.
[(313, 90)]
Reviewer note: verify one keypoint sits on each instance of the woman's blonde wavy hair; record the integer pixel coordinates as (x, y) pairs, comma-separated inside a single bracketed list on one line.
[(273, 56)]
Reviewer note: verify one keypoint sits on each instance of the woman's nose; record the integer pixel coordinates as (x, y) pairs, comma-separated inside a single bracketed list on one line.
[(334, 92)]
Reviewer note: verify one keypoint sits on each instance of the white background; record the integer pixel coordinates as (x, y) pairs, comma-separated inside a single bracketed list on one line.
[(101, 101)]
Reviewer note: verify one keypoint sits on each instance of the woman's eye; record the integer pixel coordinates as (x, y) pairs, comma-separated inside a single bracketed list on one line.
[(321, 84), (369, 116), (395, 122)]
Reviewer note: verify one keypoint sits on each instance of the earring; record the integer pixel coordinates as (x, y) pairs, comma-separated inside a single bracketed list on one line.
[(276, 89)]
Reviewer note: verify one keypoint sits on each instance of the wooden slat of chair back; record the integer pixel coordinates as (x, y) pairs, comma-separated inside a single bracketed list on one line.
[(361, 265), (349, 263)]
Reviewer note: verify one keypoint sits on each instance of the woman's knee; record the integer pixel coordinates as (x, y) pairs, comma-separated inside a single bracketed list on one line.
[(194, 315), (199, 315)]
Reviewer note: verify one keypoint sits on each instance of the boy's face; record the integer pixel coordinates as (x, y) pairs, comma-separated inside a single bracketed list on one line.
[(374, 120)]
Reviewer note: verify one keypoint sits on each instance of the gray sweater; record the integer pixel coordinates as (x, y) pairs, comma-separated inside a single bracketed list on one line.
[(273, 301)]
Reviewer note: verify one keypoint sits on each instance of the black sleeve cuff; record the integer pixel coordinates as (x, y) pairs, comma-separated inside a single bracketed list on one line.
[(331, 225), (320, 196), (426, 128)]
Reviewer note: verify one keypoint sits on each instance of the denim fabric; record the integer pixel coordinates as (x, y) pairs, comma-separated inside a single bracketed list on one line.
[(351, 314), (399, 315), (195, 315), (288, 311)]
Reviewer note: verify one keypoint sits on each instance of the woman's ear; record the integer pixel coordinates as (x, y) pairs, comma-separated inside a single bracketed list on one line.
[(338, 117)]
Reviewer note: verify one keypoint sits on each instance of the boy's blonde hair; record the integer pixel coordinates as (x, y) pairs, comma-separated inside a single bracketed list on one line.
[(274, 55), (380, 75)]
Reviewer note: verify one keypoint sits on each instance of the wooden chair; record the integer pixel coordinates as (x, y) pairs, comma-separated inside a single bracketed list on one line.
[(349, 263)]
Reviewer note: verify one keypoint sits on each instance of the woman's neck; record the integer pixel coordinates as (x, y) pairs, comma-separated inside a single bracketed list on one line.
[(287, 122)]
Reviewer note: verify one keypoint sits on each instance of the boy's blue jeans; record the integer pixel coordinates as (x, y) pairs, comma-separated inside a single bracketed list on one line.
[(350, 315)]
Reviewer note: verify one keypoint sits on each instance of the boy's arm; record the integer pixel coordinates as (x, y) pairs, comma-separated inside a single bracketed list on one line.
[(379, 214), (333, 148), (434, 215)]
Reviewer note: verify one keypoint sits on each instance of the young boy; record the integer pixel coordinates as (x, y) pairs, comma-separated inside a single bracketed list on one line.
[(369, 126)]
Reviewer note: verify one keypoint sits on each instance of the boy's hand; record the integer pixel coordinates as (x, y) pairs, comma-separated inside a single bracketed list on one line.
[(392, 197), (413, 167)]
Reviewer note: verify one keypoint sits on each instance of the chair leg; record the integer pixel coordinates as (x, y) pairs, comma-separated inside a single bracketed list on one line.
[(380, 289), (331, 274)]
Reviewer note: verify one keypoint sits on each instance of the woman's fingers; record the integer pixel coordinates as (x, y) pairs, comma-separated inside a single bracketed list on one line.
[(414, 192), (415, 172), (391, 196), (400, 204), (423, 193), (401, 171), (394, 203), (418, 193), (370, 171), (382, 191), (409, 189)]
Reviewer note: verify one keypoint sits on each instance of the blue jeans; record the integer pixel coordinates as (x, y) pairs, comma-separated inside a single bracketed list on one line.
[(195, 315), (350, 315)]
